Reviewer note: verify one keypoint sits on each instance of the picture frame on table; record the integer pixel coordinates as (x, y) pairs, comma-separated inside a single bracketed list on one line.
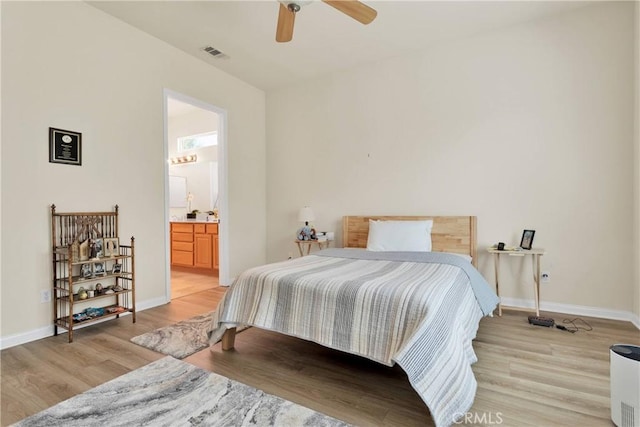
[(111, 247), (99, 269), (98, 248), (527, 239), (86, 271)]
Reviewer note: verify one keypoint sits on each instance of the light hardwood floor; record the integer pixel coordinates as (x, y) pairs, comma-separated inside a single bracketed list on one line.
[(527, 375), (185, 282)]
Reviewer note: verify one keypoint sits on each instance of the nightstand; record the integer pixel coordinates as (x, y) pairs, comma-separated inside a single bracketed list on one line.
[(535, 254), (308, 243)]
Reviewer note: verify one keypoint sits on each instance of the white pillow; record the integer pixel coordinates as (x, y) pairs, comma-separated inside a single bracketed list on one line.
[(410, 236)]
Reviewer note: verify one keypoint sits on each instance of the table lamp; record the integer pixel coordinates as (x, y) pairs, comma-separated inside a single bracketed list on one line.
[(305, 215)]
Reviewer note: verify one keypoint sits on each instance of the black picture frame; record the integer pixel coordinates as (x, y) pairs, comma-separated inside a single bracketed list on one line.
[(86, 271), (65, 146), (98, 248), (116, 269), (99, 269), (527, 239)]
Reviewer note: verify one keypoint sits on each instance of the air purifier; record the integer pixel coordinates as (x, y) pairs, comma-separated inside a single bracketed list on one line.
[(625, 385)]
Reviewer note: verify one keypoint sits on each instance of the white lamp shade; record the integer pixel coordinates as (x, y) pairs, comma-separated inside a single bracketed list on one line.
[(306, 214)]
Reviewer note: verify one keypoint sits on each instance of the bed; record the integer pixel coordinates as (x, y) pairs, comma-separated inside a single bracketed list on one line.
[(417, 308)]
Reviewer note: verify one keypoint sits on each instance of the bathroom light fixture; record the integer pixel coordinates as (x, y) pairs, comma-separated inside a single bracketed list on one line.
[(183, 159)]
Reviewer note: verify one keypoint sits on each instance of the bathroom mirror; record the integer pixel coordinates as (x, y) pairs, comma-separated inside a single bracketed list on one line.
[(198, 179), (177, 191)]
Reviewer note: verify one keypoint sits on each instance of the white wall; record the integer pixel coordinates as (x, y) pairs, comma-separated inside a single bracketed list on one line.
[(69, 65), (526, 127), (193, 122)]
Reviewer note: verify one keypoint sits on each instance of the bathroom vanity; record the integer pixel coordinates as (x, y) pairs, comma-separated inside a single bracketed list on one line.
[(194, 244)]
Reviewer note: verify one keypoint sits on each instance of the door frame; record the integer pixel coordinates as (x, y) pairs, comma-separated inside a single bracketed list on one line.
[(223, 211)]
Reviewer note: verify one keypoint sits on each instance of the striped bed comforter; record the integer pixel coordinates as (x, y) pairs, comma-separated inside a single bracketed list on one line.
[(420, 310)]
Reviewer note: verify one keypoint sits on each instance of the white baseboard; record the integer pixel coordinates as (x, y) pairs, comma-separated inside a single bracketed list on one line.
[(47, 331), (581, 310), (145, 305), (233, 279), (23, 338)]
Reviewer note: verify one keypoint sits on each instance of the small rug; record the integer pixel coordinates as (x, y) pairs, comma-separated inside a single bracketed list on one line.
[(170, 392), (179, 340)]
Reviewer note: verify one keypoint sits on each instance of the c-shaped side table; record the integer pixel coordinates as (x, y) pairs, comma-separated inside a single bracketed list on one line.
[(322, 244), (535, 253)]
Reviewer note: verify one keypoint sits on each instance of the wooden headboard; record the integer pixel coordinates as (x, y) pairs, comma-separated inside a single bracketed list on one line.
[(455, 234)]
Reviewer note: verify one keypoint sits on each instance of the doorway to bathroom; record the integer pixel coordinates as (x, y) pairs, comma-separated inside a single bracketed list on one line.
[(194, 140)]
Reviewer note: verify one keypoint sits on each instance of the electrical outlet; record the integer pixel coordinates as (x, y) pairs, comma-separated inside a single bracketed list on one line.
[(45, 295), (545, 277)]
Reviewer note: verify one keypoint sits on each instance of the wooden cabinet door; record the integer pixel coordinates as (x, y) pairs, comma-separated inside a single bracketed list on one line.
[(203, 258), (182, 258), (215, 251)]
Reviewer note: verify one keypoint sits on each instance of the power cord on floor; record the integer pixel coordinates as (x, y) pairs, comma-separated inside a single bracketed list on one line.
[(574, 327)]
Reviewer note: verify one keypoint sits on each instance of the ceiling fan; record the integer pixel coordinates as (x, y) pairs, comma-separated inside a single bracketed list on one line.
[(288, 9)]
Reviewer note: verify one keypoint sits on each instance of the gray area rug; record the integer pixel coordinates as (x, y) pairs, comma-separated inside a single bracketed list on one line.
[(170, 392), (179, 340)]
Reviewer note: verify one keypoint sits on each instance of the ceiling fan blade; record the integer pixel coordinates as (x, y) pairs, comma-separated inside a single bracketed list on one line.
[(284, 30), (358, 11)]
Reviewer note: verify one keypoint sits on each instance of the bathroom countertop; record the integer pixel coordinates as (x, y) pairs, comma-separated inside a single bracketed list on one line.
[(203, 221)]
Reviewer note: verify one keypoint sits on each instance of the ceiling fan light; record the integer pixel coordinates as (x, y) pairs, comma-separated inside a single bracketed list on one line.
[(295, 5), (288, 9)]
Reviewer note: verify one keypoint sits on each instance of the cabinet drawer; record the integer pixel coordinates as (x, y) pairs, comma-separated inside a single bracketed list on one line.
[(198, 228), (182, 237), (182, 258), (212, 228), (182, 228), (182, 246)]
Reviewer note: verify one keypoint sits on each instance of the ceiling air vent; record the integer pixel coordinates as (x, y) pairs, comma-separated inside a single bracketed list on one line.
[(214, 52)]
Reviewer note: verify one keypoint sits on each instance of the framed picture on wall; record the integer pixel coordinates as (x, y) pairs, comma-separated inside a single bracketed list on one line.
[(527, 239), (65, 147)]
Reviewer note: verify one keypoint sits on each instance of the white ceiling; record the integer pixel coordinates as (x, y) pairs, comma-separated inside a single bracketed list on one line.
[(325, 40)]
